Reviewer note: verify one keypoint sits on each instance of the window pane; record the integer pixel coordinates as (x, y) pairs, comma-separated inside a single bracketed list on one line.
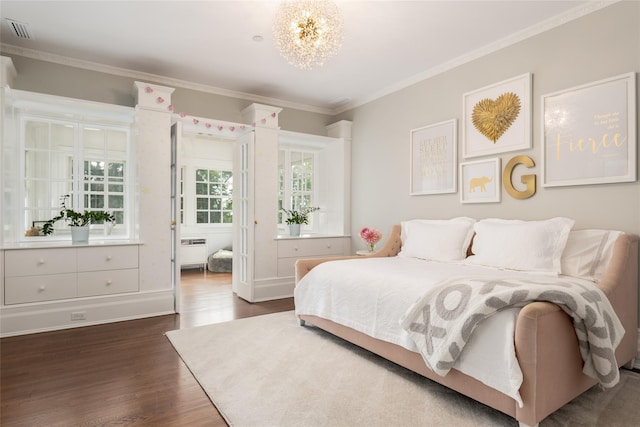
[(116, 202), (202, 217), (202, 175), (202, 203), (202, 189), (227, 217), (215, 204), (215, 217), (36, 135), (93, 140), (36, 164)]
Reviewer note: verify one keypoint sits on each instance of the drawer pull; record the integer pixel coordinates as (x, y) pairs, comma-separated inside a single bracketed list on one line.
[(328, 246), (42, 288), (40, 261), (108, 257), (295, 249), (109, 282)]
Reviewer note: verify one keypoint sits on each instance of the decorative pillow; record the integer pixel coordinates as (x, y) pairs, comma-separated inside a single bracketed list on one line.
[(588, 253), (436, 240), (535, 246)]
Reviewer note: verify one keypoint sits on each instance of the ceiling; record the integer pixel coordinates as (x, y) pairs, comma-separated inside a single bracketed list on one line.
[(209, 45)]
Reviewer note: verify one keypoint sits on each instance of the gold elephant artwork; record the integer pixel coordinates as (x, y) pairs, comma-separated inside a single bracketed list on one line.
[(479, 182), (493, 118)]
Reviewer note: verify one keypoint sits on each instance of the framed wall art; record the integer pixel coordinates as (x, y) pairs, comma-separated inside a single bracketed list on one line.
[(434, 158), (480, 181), (497, 118), (589, 133)]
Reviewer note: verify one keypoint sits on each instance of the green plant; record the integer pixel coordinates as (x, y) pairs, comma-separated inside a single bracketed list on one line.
[(76, 219), (299, 216)]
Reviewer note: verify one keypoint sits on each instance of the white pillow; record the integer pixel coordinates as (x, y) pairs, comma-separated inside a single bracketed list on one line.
[(436, 240), (588, 253), (535, 246)]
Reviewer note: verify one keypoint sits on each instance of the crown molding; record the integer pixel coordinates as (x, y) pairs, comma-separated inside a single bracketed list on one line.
[(556, 21), (166, 81), (575, 13)]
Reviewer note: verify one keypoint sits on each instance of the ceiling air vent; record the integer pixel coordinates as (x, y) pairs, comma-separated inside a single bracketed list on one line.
[(20, 29)]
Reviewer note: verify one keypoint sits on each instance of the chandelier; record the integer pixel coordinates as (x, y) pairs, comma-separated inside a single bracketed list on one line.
[(307, 32)]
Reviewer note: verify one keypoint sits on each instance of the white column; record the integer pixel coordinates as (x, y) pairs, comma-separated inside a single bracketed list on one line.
[(8, 154), (342, 129), (264, 118), (152, 136)]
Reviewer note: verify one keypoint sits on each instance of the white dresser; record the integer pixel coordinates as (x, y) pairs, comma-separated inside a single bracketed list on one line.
[(291, 249), (47, 274)]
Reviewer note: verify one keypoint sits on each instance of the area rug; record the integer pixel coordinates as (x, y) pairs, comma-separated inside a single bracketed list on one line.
[(269, 371)]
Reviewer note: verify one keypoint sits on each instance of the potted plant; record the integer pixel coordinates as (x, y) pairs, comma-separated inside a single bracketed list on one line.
[(297, 218), (78, 221)]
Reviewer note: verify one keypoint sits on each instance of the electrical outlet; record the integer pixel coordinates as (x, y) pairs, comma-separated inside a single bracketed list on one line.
[(79, 315)]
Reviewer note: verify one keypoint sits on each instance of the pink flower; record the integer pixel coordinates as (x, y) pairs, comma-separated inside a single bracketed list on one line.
[(160, 100), (370, 235), (196, 121), (207, 125), (182, 114), (232, 128), (148, 89), (170, 108)]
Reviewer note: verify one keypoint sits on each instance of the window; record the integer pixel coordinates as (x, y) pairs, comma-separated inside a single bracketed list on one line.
[(88, 163), (214, 189), (296, 179)]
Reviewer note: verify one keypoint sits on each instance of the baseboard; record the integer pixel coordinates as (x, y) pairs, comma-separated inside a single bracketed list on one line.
[(274, 288), (55, 315)]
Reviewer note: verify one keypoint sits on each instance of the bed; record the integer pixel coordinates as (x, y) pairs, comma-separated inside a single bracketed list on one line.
[(424, 259)]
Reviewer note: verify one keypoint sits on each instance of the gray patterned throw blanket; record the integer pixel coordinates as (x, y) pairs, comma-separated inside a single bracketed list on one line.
[(441, 322)]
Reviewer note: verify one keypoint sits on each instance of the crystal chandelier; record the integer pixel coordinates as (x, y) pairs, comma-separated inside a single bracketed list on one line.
[(308, 32)]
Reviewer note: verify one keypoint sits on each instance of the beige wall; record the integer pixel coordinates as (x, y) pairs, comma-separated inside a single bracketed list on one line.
[(600, 45)]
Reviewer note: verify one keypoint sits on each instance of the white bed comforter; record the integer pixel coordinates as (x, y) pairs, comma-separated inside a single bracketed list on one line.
[(371, 296)]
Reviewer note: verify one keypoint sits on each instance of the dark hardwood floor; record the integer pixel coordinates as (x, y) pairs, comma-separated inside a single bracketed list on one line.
[(124, 373)]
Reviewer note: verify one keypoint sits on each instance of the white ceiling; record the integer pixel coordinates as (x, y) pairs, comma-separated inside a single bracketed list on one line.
[(387, 44)]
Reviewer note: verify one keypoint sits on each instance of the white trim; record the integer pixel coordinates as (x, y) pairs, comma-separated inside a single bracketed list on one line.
[(549, 24), (273, 288), (138, 75), (55, 315), (556, 21)]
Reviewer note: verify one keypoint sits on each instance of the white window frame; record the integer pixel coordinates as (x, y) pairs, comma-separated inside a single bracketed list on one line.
[(285, 199), (79, 114)]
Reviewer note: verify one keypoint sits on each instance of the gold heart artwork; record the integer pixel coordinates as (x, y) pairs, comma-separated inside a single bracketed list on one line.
[(493, 118)]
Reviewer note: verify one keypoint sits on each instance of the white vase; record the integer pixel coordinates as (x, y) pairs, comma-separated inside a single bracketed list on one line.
[(79, 234), (294, 229)]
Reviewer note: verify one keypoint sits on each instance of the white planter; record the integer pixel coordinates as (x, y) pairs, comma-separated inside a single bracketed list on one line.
[(294, 229), (80, 234)]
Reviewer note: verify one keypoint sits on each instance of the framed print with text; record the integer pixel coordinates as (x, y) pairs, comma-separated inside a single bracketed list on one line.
[(589, 133), (497, 118), (480, 181), (434, 158)]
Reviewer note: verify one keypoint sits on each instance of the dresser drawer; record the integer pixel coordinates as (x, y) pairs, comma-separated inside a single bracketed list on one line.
[(39, 288), (300, 248), (107, 258), (31, 262), (107, 282)]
